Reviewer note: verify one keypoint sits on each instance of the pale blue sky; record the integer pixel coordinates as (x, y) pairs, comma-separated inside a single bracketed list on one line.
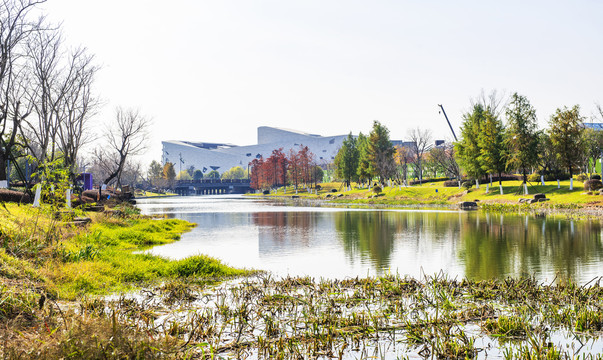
[(216, 70)]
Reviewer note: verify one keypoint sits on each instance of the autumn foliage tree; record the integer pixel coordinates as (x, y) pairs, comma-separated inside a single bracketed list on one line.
[(280, 170)]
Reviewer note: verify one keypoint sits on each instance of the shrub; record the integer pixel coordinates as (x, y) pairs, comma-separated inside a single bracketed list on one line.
[(535, 177), (318, 187), (581, 177), (266, 192), (427, 180), (596, 177), (592, 184), (203, 266), (467, 184), (377, 189), (451, 183), (549, 176)]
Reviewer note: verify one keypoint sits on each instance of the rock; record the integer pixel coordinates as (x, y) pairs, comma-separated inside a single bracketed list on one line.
[(467, 205), (294, 196), (539, 196), (543, 199), (98, 208), (115, 213), (79, 221), (333, 190), (82, 219), (524, 200), (339, 195), (328, 196)]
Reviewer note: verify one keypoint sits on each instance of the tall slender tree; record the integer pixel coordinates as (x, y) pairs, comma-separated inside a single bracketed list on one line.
[(567, 127), (346, 160), (467, 148), (380, 152), (364, 170), (17, 24), (521, 138), (490, 140)]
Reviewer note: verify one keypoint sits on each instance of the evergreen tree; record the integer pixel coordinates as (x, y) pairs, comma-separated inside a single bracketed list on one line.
[(467, 149), (198, 175), (364, 170), (214, 174), (380, 152), (521, 138), (346, 160), (566, 127), (490, 141)]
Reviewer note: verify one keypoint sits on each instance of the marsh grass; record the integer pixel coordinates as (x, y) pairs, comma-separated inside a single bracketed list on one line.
[(291, 318)]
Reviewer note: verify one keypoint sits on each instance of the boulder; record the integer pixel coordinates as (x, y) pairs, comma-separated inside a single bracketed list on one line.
[(539, 196), (467, 205)]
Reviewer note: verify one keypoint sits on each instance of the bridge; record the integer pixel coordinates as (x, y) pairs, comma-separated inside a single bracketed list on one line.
[(212, 186)]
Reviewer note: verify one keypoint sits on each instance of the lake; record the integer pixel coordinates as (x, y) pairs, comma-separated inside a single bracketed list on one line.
[(340, 242)]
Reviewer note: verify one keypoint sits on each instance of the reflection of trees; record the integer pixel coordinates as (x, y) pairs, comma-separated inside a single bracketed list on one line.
[(367, 233), (276, 228), (496, 246)]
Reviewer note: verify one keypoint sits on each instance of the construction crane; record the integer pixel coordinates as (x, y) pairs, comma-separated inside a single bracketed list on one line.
[(451, 129)]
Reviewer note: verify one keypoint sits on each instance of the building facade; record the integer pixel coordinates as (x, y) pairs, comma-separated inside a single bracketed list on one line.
[(221, 157)]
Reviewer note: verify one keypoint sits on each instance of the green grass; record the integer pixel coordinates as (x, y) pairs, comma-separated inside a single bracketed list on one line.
[(102, 258), (438, 195)]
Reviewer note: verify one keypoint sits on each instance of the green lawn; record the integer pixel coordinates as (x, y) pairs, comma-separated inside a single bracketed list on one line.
[(435, 193)]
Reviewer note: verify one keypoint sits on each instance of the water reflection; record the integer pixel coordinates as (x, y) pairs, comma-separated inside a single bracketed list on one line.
[(367, 234), (494, 246), (341, 242)]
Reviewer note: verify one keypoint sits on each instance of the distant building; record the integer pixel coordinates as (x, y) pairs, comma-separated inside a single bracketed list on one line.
[(207, 156)]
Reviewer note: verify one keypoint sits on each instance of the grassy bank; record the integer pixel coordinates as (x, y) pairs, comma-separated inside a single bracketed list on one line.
[(50, 265)]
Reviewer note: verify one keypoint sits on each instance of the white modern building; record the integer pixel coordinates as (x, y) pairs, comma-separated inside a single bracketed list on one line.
[(206, 156)]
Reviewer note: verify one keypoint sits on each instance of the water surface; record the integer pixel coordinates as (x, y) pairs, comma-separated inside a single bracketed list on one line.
[(336, 242)]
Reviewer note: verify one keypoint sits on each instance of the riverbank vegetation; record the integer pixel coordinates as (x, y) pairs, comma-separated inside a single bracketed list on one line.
[(291, 318), (52, 261)]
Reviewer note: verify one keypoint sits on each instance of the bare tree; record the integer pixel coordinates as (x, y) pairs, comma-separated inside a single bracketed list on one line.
[(443, 157), (39, 130), (494, 102), (15, 28), (420, 144), (126, 138), (78, 105), (599, 115), (60, 97)]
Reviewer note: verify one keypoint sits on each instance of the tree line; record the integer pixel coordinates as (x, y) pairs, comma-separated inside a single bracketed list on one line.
[(490, 146), (298, 168), (363, 159), (48, 104)]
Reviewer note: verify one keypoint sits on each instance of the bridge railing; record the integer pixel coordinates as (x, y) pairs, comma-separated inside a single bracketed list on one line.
[(213, 181)]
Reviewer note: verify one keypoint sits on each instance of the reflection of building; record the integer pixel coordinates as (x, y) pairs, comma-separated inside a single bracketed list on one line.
[(221, 157)]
